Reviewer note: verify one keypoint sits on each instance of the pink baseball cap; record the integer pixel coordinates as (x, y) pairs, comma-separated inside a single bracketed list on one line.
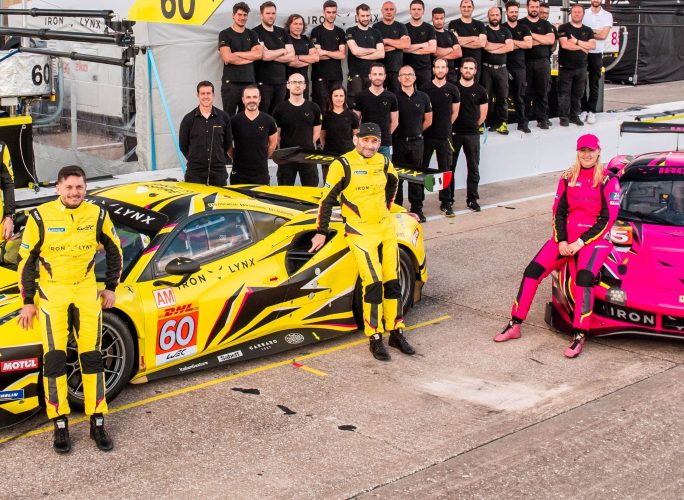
[(589, 141)]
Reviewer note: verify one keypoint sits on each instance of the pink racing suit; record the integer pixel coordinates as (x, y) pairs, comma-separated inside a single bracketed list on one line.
[(580, 211)]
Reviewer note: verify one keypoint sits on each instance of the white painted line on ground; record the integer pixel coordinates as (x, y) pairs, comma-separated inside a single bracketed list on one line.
[(496, 205)]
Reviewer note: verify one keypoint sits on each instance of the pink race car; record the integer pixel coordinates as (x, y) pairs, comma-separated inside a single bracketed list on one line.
[(641, 286)]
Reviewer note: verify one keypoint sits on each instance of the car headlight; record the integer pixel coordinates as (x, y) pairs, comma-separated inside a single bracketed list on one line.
[(616, 296)]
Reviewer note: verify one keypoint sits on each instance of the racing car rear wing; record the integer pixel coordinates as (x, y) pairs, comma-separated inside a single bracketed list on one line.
[(651, 128), (431, 179)]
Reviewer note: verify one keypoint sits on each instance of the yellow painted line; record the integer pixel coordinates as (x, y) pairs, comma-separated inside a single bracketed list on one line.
[(210, 383), (313, 370)]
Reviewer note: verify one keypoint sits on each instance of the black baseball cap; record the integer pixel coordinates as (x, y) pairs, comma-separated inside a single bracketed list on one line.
[(370, 129)]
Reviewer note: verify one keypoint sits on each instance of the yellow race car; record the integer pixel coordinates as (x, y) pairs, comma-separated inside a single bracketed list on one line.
[(211, 276)]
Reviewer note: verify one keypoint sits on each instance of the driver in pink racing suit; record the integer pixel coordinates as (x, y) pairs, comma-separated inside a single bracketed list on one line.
[(584, 210)]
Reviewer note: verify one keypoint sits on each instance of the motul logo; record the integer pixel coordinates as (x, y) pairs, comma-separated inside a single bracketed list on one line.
[(19, 365)]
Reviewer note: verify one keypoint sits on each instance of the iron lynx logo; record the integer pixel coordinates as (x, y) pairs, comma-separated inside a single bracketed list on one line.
[(18, 365)]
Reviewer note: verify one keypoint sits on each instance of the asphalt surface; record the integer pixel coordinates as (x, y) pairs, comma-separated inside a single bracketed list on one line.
[(465, 418)]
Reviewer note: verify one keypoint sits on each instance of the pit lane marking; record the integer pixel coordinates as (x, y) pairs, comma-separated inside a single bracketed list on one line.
[(309, 369), (210, 383), (496, 205)]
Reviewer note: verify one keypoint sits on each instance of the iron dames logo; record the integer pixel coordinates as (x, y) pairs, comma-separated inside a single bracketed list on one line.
[(625, 314)]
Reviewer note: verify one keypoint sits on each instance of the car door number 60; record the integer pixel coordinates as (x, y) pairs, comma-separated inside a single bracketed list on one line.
[(176, 333)]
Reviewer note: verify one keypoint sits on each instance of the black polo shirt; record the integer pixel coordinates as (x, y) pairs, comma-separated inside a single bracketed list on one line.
[(199, 135), (419, 34), (328, 69), (250, 153), (238, 42), (496, 36), (474, 28), (445, 40), (540, 27), (368, 39), (573, 59), (469, 111), (301, 47), (516, 58), (338, 130), (442, 98), (377, 109), (296, 123), (394, 59), (412, 109), (271, 72)]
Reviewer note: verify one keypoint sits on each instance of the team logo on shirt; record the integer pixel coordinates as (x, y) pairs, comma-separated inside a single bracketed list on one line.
[(385, 103), (261, 127)]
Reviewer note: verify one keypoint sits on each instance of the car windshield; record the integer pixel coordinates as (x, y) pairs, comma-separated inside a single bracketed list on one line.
[(132, 245), (657, 201)]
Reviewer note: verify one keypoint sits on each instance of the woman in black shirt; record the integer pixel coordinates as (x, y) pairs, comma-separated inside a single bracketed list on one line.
[(305, 52), (339, 125)]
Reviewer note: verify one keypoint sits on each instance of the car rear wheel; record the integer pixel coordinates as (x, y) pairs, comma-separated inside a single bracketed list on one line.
[(118, 352)]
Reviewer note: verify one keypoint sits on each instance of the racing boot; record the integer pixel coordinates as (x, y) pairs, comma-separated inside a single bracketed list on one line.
[(99, 434), (398, 341), (512, 331), (575, 348), (378, 348), (62, 442)]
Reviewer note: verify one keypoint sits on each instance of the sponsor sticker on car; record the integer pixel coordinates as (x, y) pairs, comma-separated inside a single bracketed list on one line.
[(177, 333), (229, 355), (164, 298), (15, 395), (18, 365), (294, 338)]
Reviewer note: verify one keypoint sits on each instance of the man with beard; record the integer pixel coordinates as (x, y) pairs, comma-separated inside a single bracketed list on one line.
[(395, 39), (445, 99), (601, 21), (515, 63), (239, 48), (329, 41), (537, 63), (466, 135), (277, 51), (365, 47), (423, 44), (377, 105), (447, 45), (365, 182), (494, 72), (255, 137), (471, 34)]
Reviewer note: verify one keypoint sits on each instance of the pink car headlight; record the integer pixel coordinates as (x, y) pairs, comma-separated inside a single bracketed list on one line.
[(616, 296)]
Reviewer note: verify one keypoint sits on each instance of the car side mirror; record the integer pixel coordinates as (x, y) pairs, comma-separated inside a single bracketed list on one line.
[(180, 266)]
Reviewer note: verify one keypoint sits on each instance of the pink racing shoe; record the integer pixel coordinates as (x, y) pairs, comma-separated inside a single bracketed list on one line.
[(512, 331), (574, 349)]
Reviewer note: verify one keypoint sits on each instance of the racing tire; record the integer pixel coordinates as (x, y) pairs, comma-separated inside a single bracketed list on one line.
[(118, 355)]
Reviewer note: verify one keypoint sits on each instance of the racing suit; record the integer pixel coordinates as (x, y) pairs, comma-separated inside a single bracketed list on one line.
[(6, 184), (581, 212), (366, 188), (58, 251)]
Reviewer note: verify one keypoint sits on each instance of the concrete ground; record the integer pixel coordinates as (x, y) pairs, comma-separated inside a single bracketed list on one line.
[(465, 418), (622, 97)]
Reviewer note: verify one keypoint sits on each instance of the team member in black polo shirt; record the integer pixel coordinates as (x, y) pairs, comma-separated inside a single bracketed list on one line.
[(365, 47), (255, 138), (515, 63), (471, 33), (239, 48), (299, 124), (377, 105), (423, 44), (329, 41), (494, 72), (305, 52), (204, 139), (445, 100), (340, 125), (576, 40), (415, 115), (537, 63), (395, 39), (447, 45), (466, 135), (277, 52)]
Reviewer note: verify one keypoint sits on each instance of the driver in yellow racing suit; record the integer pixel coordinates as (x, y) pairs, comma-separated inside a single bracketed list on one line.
[(7, 187), (58, 251), (365, 183)]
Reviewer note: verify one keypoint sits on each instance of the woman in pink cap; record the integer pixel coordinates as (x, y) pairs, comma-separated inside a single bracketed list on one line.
[(584, 210)]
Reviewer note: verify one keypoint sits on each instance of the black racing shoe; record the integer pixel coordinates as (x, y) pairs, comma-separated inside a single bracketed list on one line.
[(419, 213), (576, 120), (447, 209), (398, 341), (99, 434), (378, 348), (474, 206), (62, 442)]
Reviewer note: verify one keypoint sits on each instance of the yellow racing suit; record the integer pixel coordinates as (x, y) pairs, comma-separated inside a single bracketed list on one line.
[(6, 184), (57, 260), (366, 188)]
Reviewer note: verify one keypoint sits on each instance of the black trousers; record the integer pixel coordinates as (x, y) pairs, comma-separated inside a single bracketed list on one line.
[(355, 84), (495, 81), (231, 96), (320, 90), (517, 89), (409, 153), (570, 89), (538, 78), (287, 174), (594, 66), (217, 175), (272, 94), (251, 178), (392, 82), (443, 149), (470, 144)]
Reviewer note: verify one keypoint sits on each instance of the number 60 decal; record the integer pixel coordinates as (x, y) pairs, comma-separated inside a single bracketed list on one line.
[(177, 332)]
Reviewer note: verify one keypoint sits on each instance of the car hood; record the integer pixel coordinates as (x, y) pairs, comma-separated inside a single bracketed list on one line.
[(661, 257)]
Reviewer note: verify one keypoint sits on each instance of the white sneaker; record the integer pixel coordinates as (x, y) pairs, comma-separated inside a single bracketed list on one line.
[(583, 116), (591, 118)]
